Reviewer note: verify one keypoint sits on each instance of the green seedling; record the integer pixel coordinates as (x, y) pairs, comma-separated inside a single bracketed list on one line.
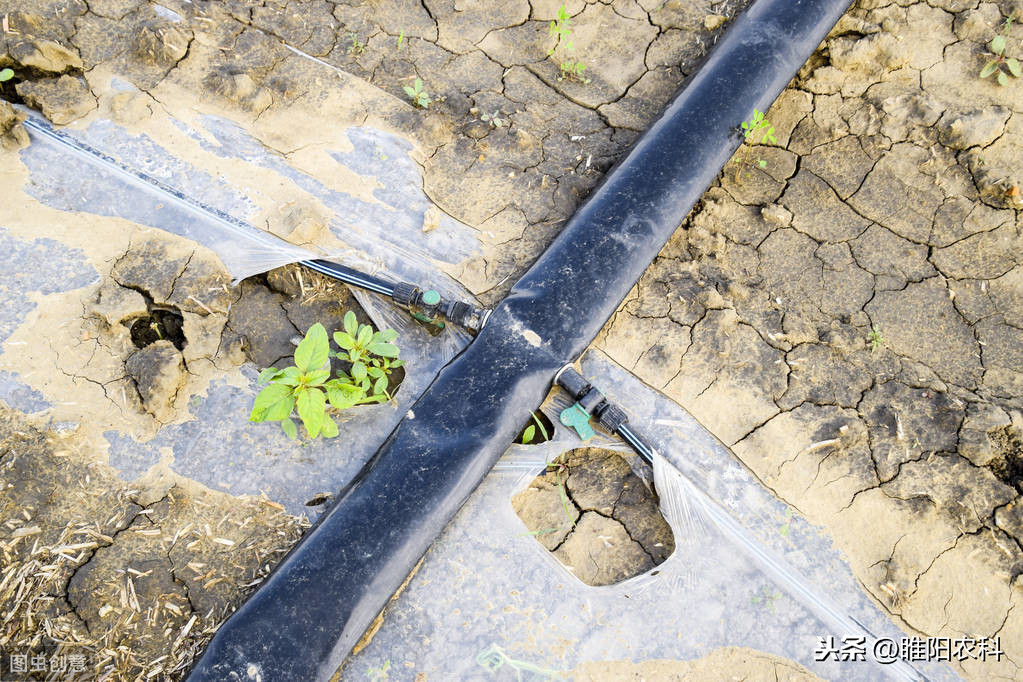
[(494, 119), (308, 389), (571, 67), (767, 597), (419, 97), (6, 75), (786, 527), (875, 339), (379, 674), (757, 130), (530, 433), (372, 356), (401, 39), (357, 46), (560, 470), (998, 58)]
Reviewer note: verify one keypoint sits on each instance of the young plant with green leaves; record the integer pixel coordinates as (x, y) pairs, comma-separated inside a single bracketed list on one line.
[(998, 60), (418, 95), (6, 75), (494, 119), (529, 433), (757, 130), (875, 339), (306, 388), (571, 67)]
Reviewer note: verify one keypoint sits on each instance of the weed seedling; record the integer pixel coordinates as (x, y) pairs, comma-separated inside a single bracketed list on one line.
[(998, 58), (307, 387), (571, 67), (6, 75), (356, 47), (875, 339), (757, 130), (419, 97), (494, 119), (530, 433), (786, 527), (767, 597), (401, 39)]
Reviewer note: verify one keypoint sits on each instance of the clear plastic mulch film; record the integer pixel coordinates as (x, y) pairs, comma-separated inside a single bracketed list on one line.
[(104, 170), (490, 599)]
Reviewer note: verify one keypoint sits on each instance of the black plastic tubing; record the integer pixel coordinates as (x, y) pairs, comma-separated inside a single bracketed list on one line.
[(304, 620)]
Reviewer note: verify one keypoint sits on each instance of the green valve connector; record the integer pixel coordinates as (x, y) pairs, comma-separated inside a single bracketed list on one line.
[(431, 297), (575, 417)]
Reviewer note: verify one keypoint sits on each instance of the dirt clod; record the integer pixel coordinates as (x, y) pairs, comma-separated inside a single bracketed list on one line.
[(62, 100), (158, 371), (596, 516)]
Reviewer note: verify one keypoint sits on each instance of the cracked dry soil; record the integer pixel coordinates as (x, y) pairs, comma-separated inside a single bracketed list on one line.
[(891, 202)]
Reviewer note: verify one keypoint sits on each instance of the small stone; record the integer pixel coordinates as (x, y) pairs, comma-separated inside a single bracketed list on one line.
[(712, 22), (431, 218), (777, 214)]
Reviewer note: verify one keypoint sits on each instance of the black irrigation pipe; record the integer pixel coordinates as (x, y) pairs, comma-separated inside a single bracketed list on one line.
[(302, 623)]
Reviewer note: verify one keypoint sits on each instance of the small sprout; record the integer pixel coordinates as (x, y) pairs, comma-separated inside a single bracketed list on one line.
[(356, 47), (786, 527), (767, 597), (6, 75), (419, 97), (530, 431), (401, 39), (875, 339), (998, 58), (494, 119), (757, 130)]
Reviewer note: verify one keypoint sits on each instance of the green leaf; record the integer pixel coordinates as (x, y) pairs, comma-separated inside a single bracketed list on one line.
[(344, 397), (410, 92), (351, 323), (273, 403), (397, 363), (312, 408), (317, 377), (527, 435), (762, 163), (365, 335), (1014, 68), (997, 44), (387, 335), (344, 340), (1002, 78), (380, 385), (359, 371), (989, 69), (290, 429), (329, 428), (384, 350), (291, 376), (312, 351), (6, 75), (269, 374), (375, 372), (419, 85)]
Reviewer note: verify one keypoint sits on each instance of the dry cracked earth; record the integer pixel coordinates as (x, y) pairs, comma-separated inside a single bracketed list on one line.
[(847, 319)]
